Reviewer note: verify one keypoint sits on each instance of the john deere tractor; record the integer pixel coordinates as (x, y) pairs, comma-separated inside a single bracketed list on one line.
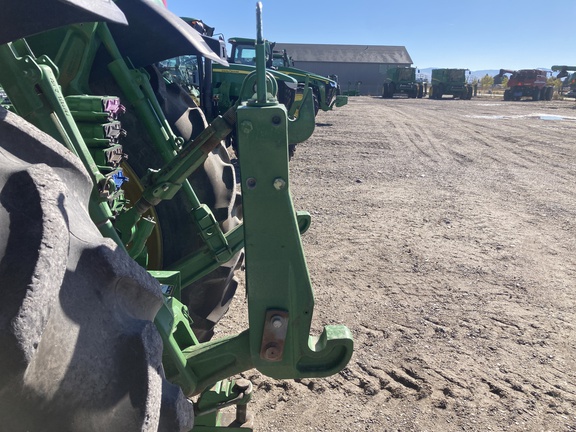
[(326, 92), (402, 80), (450, 82), (532, 83), (570, 78), (122, 227), (218, 87)]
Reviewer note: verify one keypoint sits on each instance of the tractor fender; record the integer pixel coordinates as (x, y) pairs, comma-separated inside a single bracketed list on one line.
[(156, 34), (27, 17)]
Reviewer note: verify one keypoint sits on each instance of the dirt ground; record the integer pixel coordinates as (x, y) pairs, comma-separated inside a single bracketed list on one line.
[(444, 236)]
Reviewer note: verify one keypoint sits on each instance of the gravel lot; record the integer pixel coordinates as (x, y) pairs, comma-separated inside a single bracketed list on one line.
[(444, 236)]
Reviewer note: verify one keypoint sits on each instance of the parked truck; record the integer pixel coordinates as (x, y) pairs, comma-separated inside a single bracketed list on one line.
[(402, 80), (532, 83), (450, 82), (122, 227)]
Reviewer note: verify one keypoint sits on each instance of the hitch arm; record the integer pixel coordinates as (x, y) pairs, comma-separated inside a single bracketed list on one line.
[(280, 296)]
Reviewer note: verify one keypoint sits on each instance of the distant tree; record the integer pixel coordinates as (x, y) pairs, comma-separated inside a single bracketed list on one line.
[(504, 81), (486, 82), (556, 82)]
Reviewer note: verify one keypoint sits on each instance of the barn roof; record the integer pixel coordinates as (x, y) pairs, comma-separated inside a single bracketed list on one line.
[(346, 53)]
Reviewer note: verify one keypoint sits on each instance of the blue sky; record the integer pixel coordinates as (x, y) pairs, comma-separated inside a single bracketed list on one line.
[(509, 34)]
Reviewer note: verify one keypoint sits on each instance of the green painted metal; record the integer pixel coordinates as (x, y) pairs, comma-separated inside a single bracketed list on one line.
[(38, 98), (229, 89), (340, 100), (210, 418), (326, 90), (278, 284), (180, 162), (262, 129), (402, 80), (450, 82), (228, 80), (231, 85), (236, 83), (133, 229), (280, 296)]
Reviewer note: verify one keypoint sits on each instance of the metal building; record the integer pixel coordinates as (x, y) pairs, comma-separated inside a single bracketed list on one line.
[(357, 66)]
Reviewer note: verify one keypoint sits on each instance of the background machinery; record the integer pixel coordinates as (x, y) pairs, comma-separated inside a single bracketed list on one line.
[(531, 83), (570, 78), (402, 80), (450, 82), (122, 228), (218, 87), (326, 91)]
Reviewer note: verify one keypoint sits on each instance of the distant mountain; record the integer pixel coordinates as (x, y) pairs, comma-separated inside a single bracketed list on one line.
[(478, 74), (482, 73)]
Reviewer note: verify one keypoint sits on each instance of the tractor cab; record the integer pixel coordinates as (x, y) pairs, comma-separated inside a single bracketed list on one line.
[(244, 51)]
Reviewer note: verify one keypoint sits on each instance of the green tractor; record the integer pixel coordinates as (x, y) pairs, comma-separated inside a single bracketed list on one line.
[(402, 80), (570, 78), (450, 82), (218, 87), (123, 226), (326, 91)]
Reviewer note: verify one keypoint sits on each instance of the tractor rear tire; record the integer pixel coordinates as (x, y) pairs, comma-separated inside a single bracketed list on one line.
[(438, 93), (536, 94), (79, 349), (549, 93), (291, 151), (209, 298), (316, 104)]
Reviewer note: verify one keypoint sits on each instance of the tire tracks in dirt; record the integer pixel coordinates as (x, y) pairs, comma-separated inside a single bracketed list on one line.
[(444, 238)]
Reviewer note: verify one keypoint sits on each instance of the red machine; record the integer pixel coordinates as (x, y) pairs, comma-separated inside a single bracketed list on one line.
[(526, 83)]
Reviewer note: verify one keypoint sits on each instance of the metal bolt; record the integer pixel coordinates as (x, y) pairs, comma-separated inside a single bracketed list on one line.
[(246, 126), (279, 183), (277, 321), (272, 351), (251, 182), (241, 413), (242, 384)]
